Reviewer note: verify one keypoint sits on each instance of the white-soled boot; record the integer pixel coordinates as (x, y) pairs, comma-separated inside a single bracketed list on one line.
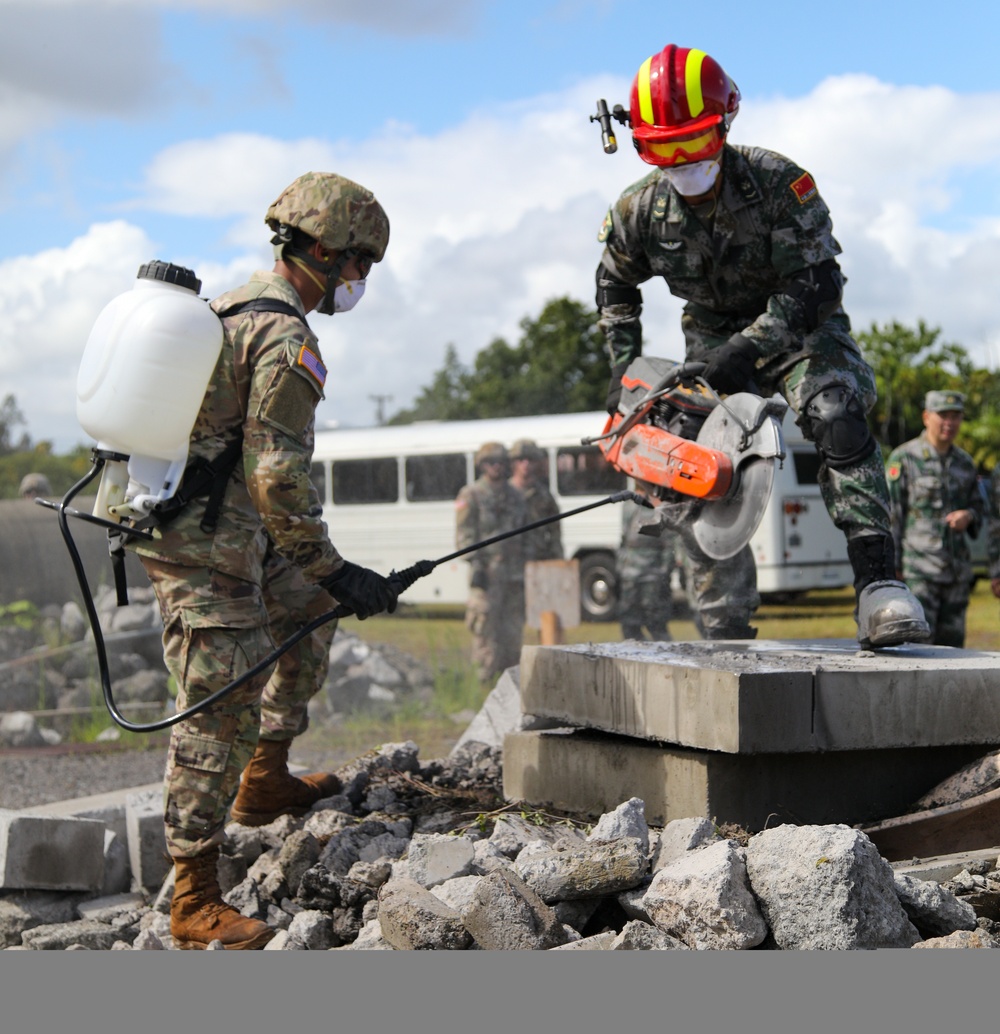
[(888, 615)]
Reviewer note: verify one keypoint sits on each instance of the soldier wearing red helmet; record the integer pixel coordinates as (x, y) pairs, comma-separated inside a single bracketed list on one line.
[(743, 236)]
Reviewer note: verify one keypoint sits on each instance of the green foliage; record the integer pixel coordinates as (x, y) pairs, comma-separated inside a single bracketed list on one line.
[(908, 362), (559, 365), (11, 417), (21, 614), (62, 471)]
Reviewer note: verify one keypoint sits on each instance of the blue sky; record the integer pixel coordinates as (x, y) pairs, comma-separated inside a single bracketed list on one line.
[(139, 129)]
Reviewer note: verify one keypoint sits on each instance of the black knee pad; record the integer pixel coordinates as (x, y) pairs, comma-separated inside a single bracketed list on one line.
[(836, 421)]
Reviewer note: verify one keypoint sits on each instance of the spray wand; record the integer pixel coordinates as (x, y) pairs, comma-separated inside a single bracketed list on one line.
[(401, 581)]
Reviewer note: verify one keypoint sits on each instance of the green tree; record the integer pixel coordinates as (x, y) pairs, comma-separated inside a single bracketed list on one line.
[(10, 417), (908, 363), (559, 365)]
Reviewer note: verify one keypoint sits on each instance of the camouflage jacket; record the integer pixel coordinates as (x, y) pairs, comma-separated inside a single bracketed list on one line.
[(923, 487), (769, 222), (993, 541), (265, 387), (483, 510), (543, 543)]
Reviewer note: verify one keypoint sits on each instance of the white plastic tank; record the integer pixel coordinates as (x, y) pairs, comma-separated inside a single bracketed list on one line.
[(143, 376)]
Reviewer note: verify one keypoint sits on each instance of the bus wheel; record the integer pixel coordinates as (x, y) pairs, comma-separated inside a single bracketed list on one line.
[(598, 589)]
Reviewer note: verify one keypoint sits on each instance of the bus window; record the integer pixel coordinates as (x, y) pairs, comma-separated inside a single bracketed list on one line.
[(317, 475), (806, 466), (583, 470), (434, 478), (365, 481)]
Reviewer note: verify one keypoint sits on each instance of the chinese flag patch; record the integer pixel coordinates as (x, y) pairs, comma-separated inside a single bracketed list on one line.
[(893, 473), (804, 188)]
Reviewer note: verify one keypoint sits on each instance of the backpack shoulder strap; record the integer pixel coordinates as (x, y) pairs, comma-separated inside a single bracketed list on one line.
[(263, 305)]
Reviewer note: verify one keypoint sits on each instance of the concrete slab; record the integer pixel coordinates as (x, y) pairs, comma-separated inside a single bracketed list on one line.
[(43, 853), (587, 773), (769, 696)]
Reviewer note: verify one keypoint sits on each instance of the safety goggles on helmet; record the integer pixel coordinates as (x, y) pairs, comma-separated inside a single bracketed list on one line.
[(659, 148)]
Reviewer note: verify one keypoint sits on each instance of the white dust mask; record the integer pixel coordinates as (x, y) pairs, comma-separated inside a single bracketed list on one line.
[(693, 179), (347, 294)]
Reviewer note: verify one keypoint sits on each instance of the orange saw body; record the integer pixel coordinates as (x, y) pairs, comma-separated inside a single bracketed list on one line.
[(657, 457)]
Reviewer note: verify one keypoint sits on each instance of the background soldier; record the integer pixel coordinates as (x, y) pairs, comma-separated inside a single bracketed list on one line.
[(993, 541), (231, 587), (936, 506), (530, 466), (644, 565), (495, 611), (34, 486), (744, 237)]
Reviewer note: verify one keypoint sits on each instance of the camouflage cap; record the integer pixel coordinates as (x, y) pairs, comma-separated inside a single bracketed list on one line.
[(491, 451), (336, 211), (944, 401), (526, 449)]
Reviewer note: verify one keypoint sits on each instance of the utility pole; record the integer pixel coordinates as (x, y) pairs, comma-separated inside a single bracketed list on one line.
[(380, 401)]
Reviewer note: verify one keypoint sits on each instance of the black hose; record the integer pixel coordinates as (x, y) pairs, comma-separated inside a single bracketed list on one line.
[(402, 579)]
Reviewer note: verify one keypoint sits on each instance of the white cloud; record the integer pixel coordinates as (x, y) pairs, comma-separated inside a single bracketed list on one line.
[(492, 217)]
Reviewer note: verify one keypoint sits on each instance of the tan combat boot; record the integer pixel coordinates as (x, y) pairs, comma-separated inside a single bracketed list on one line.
[(268, 790), (198, 915)]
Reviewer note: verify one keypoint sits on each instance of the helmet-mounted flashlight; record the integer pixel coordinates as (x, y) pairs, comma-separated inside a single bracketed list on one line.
[(604, 117)]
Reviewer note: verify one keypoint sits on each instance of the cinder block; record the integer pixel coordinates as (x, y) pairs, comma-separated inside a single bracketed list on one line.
[(768, 696), (40, 852), (147, 844), (587, 773)]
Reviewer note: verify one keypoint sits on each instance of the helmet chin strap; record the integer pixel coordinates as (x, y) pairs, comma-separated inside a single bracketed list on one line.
[(331, 270)]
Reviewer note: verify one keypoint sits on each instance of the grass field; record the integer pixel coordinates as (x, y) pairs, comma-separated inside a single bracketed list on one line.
[(438, 637)]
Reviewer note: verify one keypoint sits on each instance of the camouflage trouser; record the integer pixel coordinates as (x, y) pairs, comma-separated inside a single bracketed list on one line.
[(215, 628), (645, 598), (495, 617), (722, 594), (944, 606), (856, 497)]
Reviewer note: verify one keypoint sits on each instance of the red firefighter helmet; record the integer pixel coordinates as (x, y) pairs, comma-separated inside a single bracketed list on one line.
[(681, 106)]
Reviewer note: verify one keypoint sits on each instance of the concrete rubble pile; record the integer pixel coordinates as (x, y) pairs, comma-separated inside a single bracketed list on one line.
[(416, 855)]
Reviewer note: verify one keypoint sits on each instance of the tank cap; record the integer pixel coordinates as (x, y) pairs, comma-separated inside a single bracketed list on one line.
[(170, 274)]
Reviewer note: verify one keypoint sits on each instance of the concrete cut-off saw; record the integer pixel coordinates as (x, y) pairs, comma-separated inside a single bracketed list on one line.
[(706, 463)]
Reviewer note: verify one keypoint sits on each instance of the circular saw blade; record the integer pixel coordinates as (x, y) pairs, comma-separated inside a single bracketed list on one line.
[(724, 526)]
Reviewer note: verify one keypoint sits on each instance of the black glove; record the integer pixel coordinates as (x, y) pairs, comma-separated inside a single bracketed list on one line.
[(731, 367), (365, 591), (480, 579), (615, 388)]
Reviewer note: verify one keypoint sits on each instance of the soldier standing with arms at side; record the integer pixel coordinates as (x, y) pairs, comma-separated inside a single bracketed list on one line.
[(248, 560), (743, 236), (495, 612), (936, 507), (530, 477)]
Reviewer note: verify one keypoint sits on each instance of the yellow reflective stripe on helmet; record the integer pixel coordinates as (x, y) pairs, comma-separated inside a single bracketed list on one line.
[(645, 98), (692, 81)]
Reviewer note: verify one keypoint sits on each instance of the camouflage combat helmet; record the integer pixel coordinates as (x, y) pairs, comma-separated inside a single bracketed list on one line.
[(491, 451), (526, 449), (339, 213)]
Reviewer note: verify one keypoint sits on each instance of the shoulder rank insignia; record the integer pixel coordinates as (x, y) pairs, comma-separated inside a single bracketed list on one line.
[(804, 188), (659, 207), (893, 472), (605, 228), (311, 362)]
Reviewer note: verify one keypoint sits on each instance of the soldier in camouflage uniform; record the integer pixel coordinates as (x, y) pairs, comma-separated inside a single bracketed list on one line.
[(531, 478), (993, 531), (233, 580), (644, 565), (743, 236), (495, 610), (936, 506)]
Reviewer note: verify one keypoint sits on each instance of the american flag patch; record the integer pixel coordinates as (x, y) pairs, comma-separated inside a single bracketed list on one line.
[(312, 363), (804, 188)]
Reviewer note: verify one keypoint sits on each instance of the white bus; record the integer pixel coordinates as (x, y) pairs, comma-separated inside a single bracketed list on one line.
[(388, 498)]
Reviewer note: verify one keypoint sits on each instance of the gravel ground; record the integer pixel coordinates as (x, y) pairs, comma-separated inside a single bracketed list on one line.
[(32, 778)]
